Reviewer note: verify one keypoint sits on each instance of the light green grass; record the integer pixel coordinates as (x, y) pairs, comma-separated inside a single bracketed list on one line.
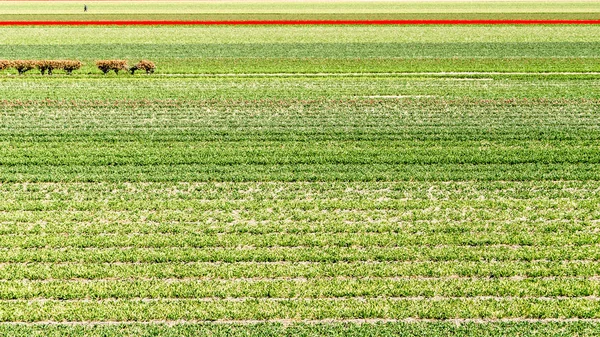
[(294, 7), (295, 10)]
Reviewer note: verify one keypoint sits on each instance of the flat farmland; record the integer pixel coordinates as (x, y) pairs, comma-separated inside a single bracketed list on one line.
[(298, 10), (302, 180), (309, 49)]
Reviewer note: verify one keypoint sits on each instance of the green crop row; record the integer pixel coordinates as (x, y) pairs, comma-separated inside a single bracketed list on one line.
[(300, 87), (407, 122), (299, 172), (39, 172), (303, 254), (252, 153), (308, 288), (209, 225), (263, 309), (271, 192), (266, 270), (409, 329), (198, 240)]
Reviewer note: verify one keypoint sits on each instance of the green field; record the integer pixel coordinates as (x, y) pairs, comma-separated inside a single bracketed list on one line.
[(298, 10), (302, 180), (309, 49)]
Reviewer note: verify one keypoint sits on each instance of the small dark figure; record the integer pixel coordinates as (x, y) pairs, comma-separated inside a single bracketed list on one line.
[(85, 8)]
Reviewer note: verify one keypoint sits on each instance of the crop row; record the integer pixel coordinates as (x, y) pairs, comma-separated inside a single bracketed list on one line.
[(297, 161), (469, 229), (298, 172), (301, 87), (297, 153), (366, 193), (264, 309), (252, 153), (303, 254), (387, 226), (405, 123), (325, 239), (272, 329), (490, 270), (303, 288), (264, 191), (342, 112)]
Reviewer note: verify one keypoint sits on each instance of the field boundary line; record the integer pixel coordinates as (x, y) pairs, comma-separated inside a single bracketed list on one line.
[(290, 263), (295, 22), (437, 298), (316, 321), (296, 247), (286, 263), (300, 279)]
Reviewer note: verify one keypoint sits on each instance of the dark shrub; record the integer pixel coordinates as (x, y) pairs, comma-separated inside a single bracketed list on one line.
[(115, 65), (23, 66)]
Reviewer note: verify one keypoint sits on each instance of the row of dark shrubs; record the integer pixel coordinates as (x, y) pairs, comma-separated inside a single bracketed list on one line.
[(48, 66), (23, 66), (116, 65)]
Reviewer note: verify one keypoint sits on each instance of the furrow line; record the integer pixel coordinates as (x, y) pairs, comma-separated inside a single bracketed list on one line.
[(303, 279), (311, 321), (283, 299)]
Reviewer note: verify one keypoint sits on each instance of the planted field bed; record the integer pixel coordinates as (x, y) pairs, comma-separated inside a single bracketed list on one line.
[(268, 208), (301, 180)]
